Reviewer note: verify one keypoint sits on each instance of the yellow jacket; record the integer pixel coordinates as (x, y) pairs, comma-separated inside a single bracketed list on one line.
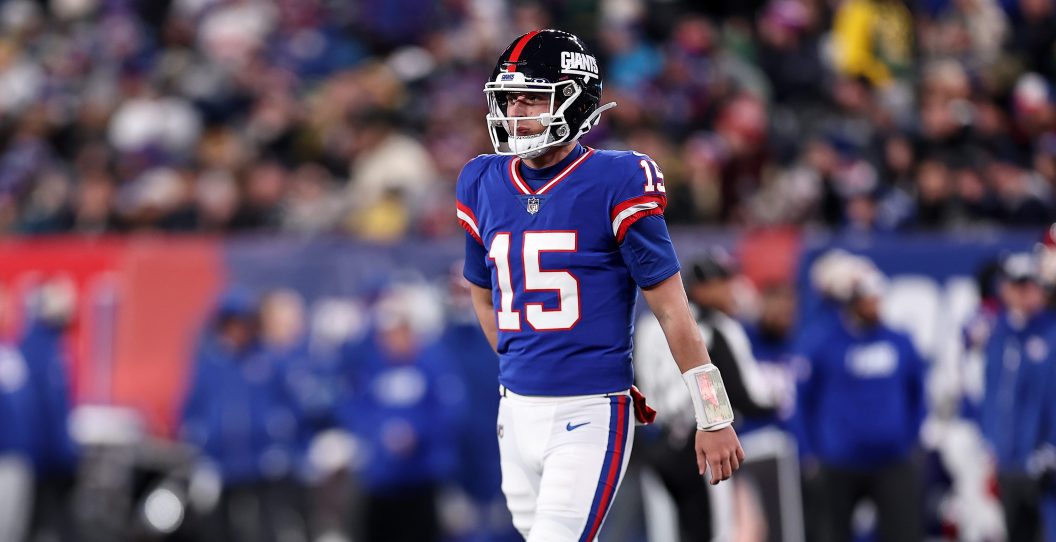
[(873, 38)]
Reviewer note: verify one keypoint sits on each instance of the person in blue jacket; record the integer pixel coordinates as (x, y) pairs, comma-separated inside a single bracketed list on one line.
[(238, 415), (1017, 391), (861, 407), (52, 449), (478, 472), (773, 339), (1045, 458), (404, 405), (16, 444)]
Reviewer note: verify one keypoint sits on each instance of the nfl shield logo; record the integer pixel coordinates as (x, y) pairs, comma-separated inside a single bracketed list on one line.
[(533, 205)]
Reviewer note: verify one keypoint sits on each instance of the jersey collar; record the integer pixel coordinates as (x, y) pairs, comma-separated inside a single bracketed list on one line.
[(522, 186)]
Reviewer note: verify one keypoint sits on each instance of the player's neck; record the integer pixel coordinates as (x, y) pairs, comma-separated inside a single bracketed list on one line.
[(551, 157)]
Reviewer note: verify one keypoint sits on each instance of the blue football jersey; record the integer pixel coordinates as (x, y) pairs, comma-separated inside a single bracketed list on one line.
[(563, 290)]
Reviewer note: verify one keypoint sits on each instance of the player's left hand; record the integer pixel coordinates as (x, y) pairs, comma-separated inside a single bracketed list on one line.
[(721, 450)]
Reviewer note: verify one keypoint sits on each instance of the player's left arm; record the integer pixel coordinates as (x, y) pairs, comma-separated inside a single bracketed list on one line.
[(721, 448), (639, 229)]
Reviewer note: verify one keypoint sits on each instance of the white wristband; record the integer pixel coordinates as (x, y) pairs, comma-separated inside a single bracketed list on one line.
[(711, 404)]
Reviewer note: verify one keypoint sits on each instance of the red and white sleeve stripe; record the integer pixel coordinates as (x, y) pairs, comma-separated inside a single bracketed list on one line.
[(627, 213), (468, 220)]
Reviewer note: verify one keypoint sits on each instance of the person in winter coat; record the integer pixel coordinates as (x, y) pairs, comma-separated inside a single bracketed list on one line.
[(860, 407), (53, 451), (478, 473), (1018, 392), (704, 512), (16, 444), (238, 414), (405, 407)]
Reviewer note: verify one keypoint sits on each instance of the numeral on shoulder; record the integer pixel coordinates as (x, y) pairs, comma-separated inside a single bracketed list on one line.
[(649, 166)]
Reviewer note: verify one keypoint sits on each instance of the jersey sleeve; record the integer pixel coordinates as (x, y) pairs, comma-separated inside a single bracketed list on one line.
[(648, 252), (475, 267), (466, 199), (638, 224)]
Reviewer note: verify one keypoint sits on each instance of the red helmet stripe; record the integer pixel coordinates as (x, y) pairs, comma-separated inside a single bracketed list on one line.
[(516, 53)]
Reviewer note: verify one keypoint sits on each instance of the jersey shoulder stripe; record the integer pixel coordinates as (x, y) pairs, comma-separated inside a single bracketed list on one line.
[(467, 193), (468, 221), (628, 212)]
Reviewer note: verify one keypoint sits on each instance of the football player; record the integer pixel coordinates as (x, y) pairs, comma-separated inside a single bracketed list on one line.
[(560, 237)]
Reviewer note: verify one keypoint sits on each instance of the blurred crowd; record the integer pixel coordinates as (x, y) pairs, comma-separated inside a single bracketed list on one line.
[(373, 418), (379, 432), (373, 421), (891, 442), (309, 116)]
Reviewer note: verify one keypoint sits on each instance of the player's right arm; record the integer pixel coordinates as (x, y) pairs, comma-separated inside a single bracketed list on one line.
[(474, 267), (485, 309)]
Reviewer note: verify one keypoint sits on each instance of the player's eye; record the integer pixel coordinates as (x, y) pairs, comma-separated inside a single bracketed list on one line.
[(527, 98), (537, 98)]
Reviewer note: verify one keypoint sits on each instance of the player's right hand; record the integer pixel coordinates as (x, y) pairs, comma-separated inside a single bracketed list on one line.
[(721, 450)]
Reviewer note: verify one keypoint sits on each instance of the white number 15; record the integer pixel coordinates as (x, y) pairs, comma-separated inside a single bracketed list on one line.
[(536, 279)]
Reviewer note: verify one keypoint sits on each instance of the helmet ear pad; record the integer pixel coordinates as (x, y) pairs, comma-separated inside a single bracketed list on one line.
[(585, 104)]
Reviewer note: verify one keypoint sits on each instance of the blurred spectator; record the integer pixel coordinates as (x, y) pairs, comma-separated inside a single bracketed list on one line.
[(54, 453), (972, 31), (159, 199), (218, 200), (934, 195), (312, 205), (264, 188), (391, 172), (1035, 35), (772, 339), (171, 116), (406, 405), (971, 383), (237, 413), (149, 122), (727, 165), (873, 39), (956, 396), (861, 406), (710, 286), (1017, 392), (1019, 198), (284, 341), (16, 443), (704, 511), (477, 364), (1043, 463), (93, 207), (790, 52)]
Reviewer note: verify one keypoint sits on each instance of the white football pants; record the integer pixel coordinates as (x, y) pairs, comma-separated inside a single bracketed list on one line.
[(562, 461)]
